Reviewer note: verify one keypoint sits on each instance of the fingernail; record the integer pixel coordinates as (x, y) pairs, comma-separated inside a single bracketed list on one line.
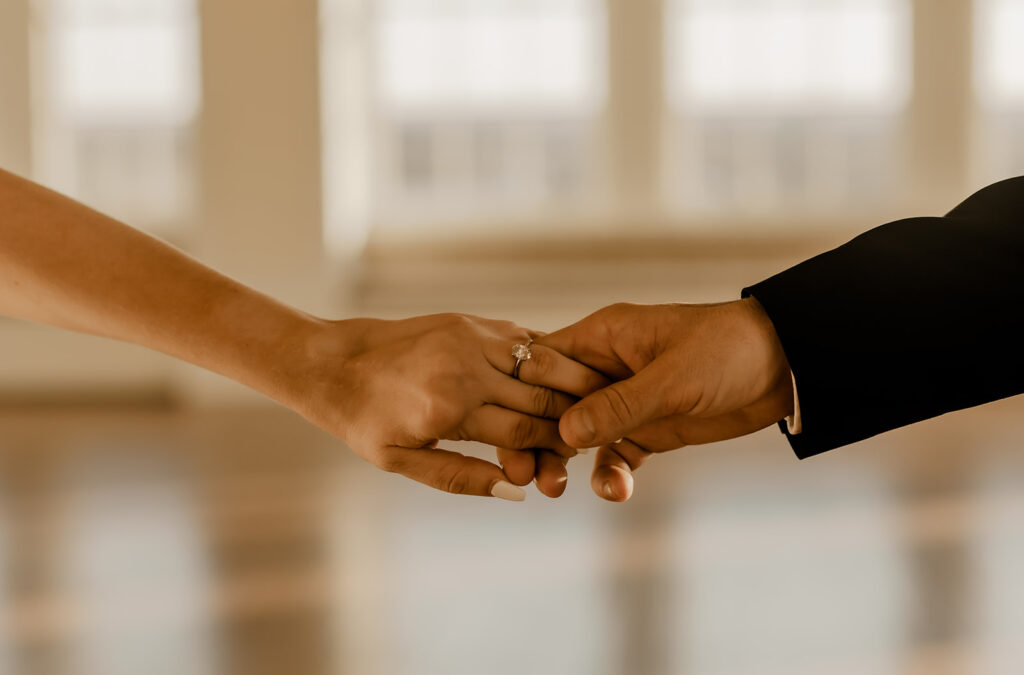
[(607, 490), (583, 451), (505, 490), (584, 425)]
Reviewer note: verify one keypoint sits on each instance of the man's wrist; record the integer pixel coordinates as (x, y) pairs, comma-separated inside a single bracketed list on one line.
[(776, 370)]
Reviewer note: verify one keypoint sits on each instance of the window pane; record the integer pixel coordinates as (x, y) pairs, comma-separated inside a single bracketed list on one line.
[(487, 53), (1001, 52), (484, 106), (1000, 88), (783, 105), (120, 92)]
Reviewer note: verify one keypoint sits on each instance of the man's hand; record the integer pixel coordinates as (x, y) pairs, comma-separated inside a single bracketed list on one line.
[(687, 374)]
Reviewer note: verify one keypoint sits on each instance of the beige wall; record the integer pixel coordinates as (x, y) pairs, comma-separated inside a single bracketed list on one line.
[(259, 166), (260, 206), (15, 99), (259, 141)]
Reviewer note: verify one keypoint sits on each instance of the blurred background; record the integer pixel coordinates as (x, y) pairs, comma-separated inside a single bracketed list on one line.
[(523, 159)]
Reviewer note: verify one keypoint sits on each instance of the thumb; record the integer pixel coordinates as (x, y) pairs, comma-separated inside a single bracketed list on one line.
[(611, 413)]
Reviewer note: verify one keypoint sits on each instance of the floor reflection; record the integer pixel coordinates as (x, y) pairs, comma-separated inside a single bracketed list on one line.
[(127, 521), (789, 575), (246, 541)]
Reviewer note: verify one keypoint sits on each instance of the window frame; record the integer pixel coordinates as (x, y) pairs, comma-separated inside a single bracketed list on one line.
[(634, 139)]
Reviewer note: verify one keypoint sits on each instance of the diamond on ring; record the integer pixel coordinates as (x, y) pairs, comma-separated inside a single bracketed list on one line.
[(521, 353)]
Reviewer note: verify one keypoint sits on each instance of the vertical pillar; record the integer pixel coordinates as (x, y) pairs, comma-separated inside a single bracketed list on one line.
[(940, 109), (15, 104), (348, 131), (636, 104), (259, 160), (259, 133)]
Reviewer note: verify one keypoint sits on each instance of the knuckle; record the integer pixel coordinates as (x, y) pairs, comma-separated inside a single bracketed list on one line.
[(452, 318), (456, 481), (621, 307), (545, 401), (428, 414), (447, 335), (541, 363), (434, 416), (438, 343), (460, 323), (523, 432), (619, 404), (391, 463)]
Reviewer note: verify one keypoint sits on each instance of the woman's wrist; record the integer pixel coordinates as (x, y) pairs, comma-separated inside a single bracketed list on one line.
[(264, 344), (309, 375), (283, 364)]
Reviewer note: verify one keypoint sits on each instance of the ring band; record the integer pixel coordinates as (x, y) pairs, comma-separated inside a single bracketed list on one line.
[(522, 353)]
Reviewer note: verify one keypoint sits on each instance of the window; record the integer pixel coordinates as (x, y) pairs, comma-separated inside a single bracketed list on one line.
[(785, 105), (474, 106), (119, 94), (999, 84)]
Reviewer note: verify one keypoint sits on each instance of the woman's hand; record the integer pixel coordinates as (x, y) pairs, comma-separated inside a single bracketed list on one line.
[(393, 389)]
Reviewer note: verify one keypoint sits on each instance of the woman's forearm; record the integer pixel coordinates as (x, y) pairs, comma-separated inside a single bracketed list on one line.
[(66, 265), (391, 389)]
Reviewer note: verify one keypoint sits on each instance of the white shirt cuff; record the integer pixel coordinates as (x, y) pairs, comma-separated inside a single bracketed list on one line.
[(794, 423)]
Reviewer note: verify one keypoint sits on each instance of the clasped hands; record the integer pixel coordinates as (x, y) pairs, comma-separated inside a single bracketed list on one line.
[(629, 380)]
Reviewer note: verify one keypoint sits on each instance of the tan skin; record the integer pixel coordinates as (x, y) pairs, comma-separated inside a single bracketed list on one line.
[(393, 390), (686, 375)]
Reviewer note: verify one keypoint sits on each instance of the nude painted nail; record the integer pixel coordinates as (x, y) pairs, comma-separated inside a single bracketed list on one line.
[(505, 490), (583, 451)]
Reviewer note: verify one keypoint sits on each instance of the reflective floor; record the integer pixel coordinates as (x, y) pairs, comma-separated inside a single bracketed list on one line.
[(246, 541)]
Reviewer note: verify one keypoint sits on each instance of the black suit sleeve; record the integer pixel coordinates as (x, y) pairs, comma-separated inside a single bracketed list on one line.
[(907, 321)]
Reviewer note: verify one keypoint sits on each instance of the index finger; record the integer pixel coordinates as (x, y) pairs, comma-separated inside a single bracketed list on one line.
[(452, 472)]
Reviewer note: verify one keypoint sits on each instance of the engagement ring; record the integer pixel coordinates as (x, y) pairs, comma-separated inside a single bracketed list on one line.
[(522, 353)]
